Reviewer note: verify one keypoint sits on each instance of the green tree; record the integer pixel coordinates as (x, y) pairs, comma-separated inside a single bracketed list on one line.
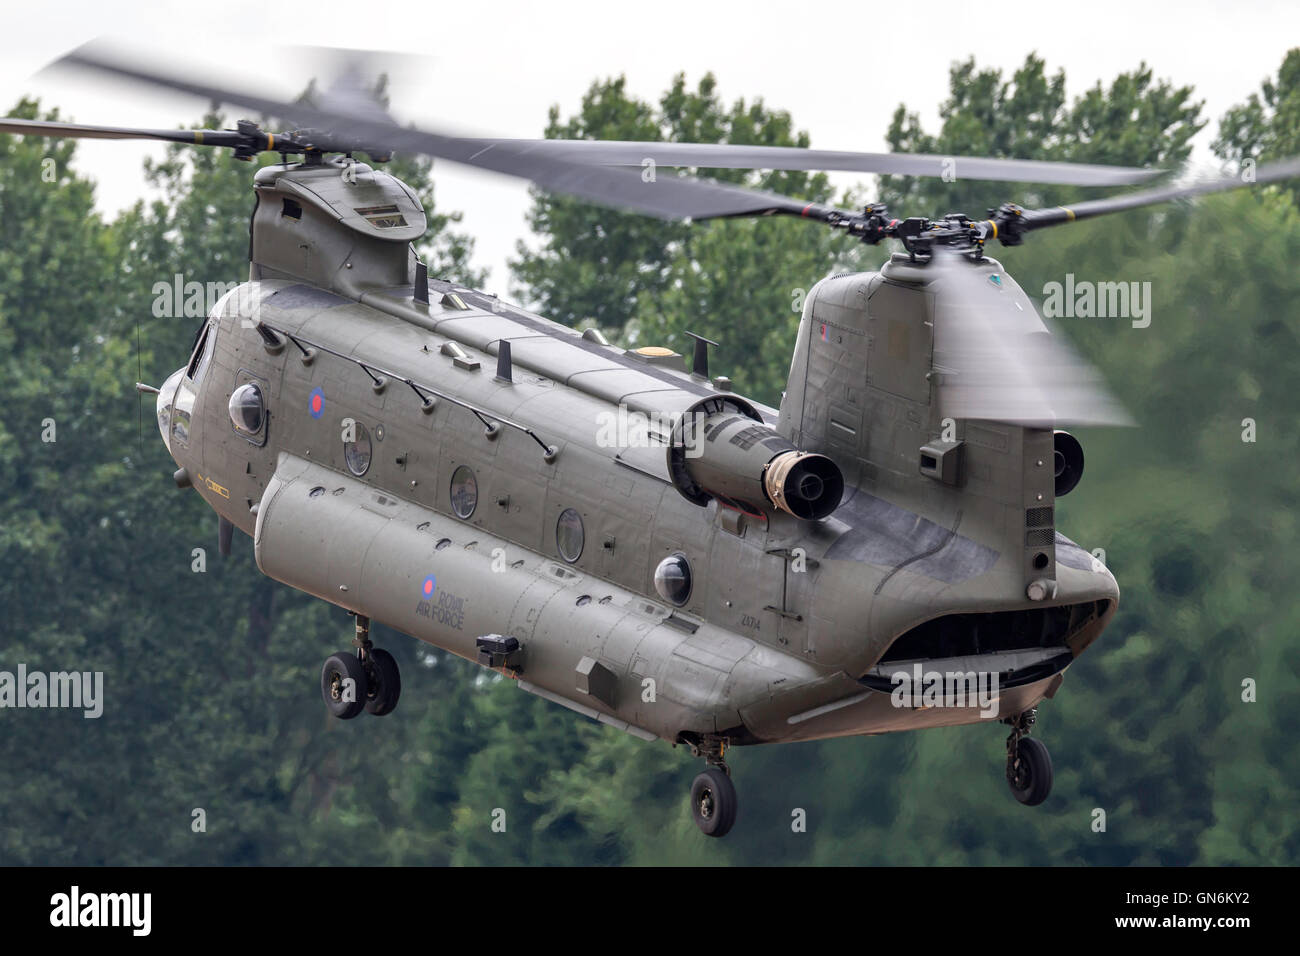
[(210, 678), (211, 710), (647, 282), (1136, 121), (1267, 126)]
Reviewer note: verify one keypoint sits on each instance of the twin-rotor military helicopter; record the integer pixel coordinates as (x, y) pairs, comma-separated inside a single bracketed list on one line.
[(423, 454)]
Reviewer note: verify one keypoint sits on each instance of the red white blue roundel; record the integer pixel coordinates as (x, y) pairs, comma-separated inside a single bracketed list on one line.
[(316, 403), (428, 587)]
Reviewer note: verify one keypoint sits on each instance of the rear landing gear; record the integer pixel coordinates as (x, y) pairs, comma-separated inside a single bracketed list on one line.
[(366, 680), (1029, 765), (713, 795), (383, 683), (343, 685)]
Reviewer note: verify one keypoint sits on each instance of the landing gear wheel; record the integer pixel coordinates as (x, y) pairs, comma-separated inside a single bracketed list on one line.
[(341, 699), (383, 683), (1029, 772), (713, 802)]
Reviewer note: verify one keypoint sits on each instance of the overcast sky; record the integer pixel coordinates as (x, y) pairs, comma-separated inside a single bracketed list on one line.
[(494, 68)]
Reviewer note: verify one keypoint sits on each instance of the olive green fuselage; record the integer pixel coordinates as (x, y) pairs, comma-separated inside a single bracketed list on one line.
[(786, 623)]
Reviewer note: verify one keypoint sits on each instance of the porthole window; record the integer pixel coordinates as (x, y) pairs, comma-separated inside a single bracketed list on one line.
[(247, 410), (673, 579), (464, 491), (569, 536), (357, 452)]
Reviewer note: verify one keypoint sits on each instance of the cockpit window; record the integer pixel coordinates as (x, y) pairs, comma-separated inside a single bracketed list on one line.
[(202, 353)]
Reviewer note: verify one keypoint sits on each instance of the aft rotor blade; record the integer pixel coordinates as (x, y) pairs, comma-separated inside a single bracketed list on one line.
[(1029, 219), (997, 360), (736, 156)]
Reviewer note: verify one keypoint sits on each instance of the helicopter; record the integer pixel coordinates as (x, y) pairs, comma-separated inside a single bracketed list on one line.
[(617, 530)]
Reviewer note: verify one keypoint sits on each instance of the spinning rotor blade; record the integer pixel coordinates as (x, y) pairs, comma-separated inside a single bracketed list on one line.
[(605, 173), (199, 137), (999, 361), (347, 118), (348, 78), (733, 156), (353, 66), (667, 197), (1013, 221)]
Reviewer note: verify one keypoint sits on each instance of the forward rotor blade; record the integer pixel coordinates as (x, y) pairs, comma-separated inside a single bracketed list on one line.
[(999, 361), (734, 156), (663, 196), (198, 137)]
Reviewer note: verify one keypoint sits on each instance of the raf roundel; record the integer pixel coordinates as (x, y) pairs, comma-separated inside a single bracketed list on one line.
[(428, 587), (316, 403)]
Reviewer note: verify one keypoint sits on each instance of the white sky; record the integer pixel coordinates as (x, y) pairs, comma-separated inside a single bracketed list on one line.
[(495, 66)]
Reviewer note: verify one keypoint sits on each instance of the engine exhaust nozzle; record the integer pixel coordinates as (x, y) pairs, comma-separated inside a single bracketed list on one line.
[(804, 484)]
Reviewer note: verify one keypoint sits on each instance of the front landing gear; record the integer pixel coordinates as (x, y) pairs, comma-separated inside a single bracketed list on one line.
[(713, 795), (1029, 765), (367, 680)]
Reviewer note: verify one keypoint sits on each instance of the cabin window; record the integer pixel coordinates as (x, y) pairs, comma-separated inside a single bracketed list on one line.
[(673, 579), (464, 491), (357, 451), (247, 410), (569, 536)]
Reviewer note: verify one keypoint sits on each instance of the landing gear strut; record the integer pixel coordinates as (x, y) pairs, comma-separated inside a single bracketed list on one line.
[(366, 680), (1029, 765), (713, 795)]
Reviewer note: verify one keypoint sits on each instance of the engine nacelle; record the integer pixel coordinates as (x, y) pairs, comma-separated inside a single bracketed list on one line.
[(729, 456)]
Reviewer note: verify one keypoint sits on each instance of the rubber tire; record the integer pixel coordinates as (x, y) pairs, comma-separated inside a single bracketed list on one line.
[(1037, 763), (714, 785), (382, 699), (344, 665)]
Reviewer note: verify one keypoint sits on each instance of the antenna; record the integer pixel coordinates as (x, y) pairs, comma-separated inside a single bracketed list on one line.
[(421, 290), (504, 365), (700, 361)]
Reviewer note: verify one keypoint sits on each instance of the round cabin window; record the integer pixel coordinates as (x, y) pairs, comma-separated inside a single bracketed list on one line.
[(247, 410), (673, 579), (357, 452), (569, 536), (464, 491)]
